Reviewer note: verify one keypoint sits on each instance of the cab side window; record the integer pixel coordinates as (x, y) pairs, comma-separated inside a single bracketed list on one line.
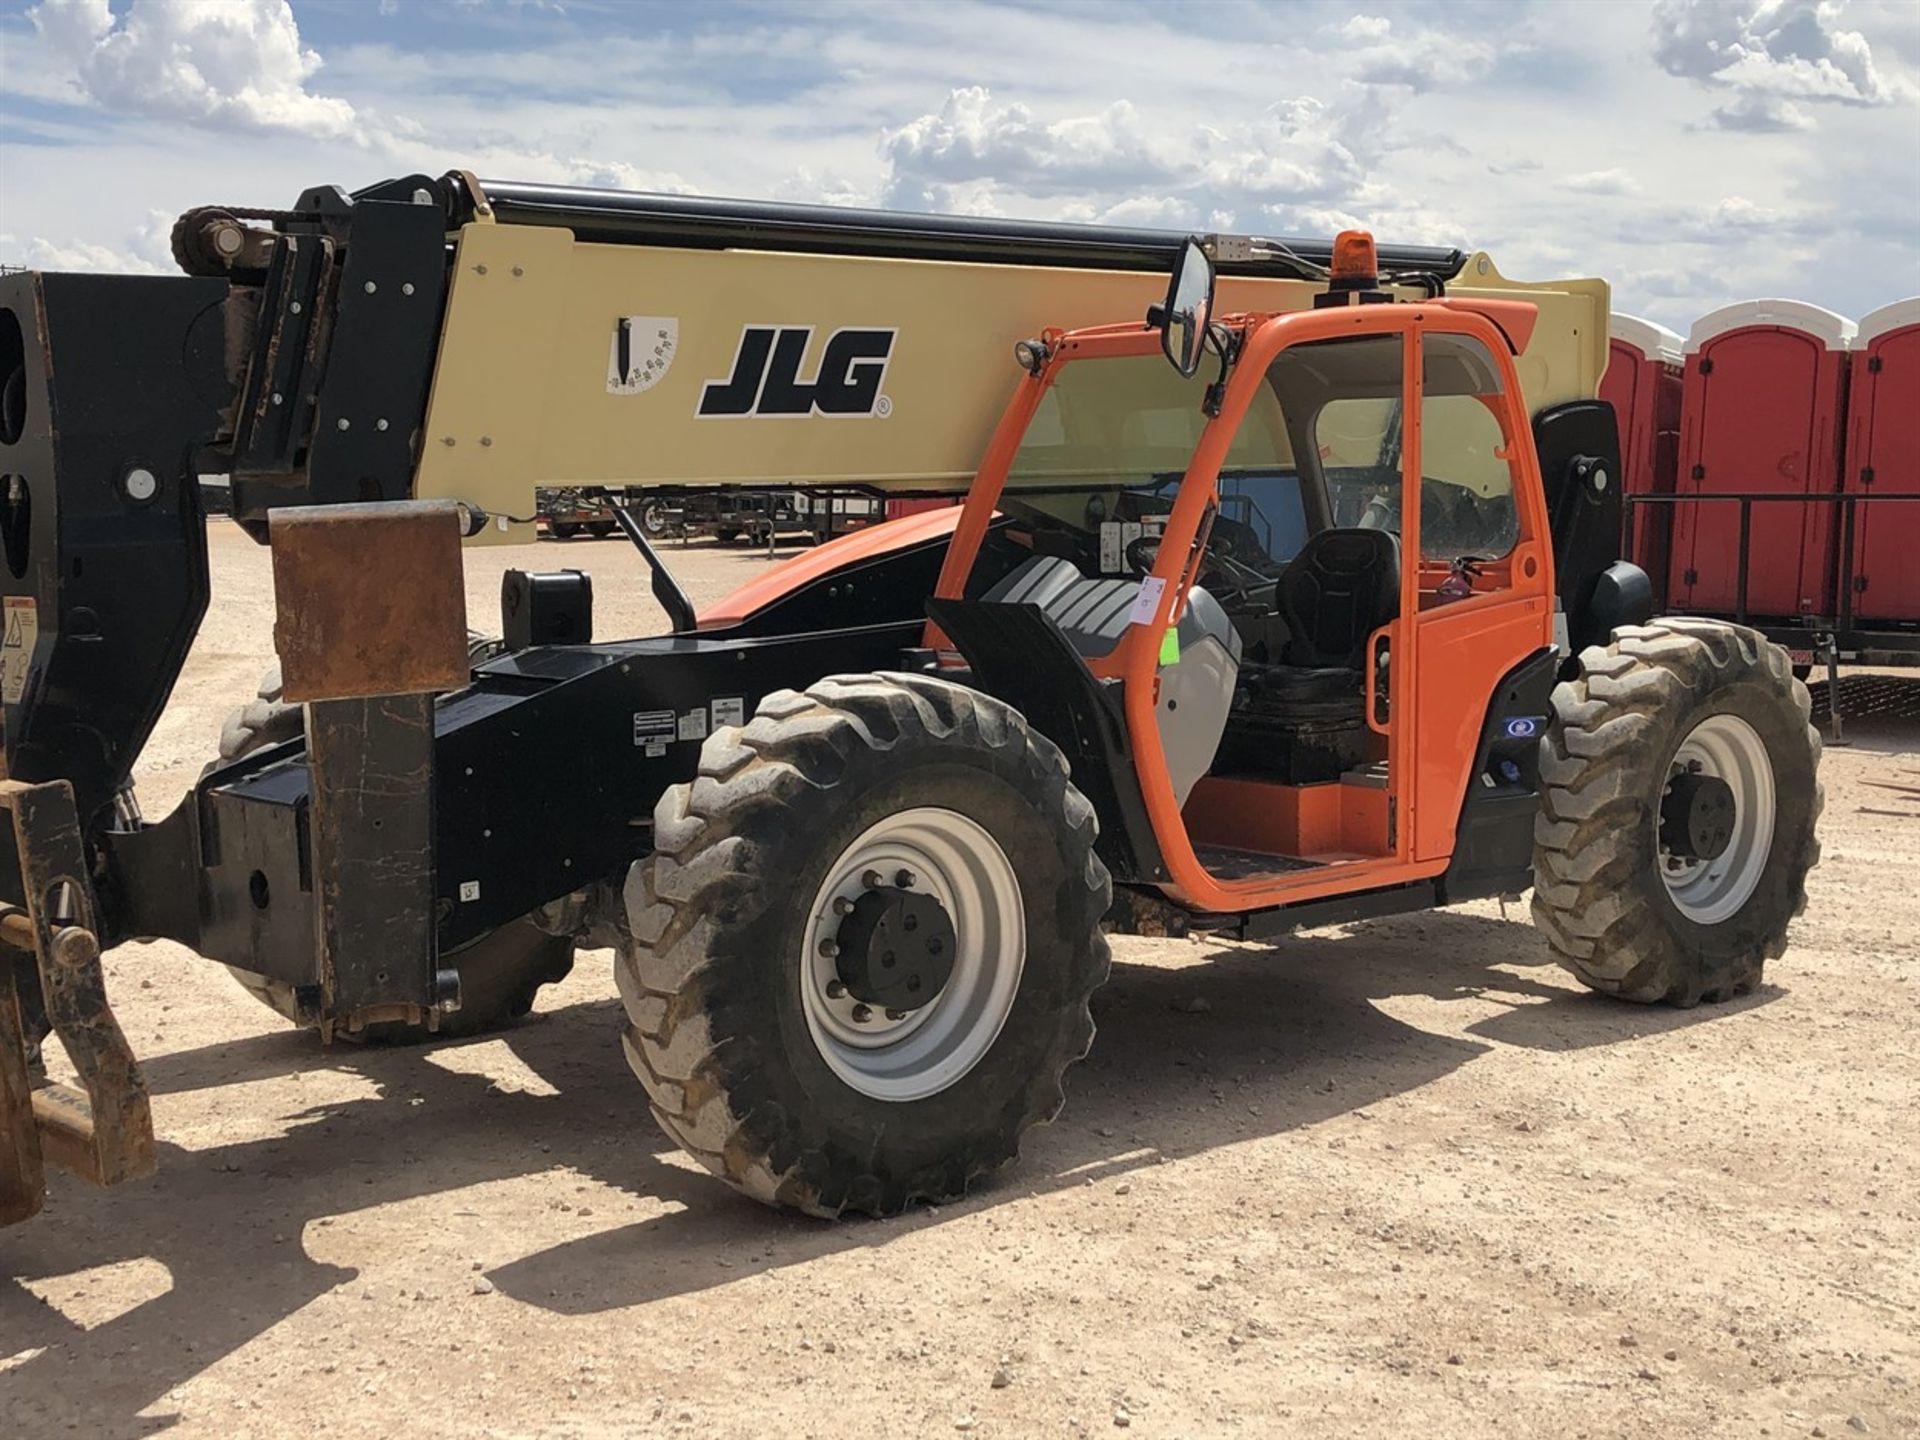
[(1467, 459)]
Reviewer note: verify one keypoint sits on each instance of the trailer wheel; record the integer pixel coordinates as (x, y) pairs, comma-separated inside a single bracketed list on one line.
[(654, 518), (1678, 810), (860, 958), (601, 529), (726, 534), (564, 529), (500, 973)]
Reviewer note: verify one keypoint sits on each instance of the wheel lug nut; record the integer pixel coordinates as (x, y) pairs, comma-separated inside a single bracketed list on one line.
[(862, 1014), (893, 1014), (829, 948), (871, 879), (835, 990), (904, 879), (842, 905)]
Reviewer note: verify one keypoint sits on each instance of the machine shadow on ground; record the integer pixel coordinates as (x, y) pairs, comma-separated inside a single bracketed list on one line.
[(1260, 1042)]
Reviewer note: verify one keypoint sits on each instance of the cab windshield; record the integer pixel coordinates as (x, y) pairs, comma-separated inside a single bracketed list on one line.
[(1101, 463)]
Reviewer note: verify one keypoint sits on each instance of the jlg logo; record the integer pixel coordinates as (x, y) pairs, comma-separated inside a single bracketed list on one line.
[(766, 375)]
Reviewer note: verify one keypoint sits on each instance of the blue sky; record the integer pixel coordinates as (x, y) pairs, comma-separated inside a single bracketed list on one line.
[(1690, 151)]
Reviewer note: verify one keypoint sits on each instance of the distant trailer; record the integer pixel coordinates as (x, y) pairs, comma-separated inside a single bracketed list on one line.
[(1643, 384), (1883, 457), (1762, 413), (898, 508)]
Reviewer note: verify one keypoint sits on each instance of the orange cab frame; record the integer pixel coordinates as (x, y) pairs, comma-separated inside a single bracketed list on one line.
[(1447, 659)]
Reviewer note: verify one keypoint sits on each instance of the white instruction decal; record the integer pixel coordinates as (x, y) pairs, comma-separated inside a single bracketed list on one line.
[(1109, 547), (729, 710), (693, 724), (1147, 601), (653, 730), (469, 891), (16, 653)]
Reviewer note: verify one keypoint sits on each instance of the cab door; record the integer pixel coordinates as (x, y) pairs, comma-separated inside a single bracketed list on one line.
[(1484, 575)]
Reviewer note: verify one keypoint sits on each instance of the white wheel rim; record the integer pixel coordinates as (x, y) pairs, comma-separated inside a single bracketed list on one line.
[(1710, 891), (958, 863)]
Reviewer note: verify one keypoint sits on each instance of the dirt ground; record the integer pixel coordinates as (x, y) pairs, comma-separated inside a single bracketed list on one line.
[(1396, 1176)]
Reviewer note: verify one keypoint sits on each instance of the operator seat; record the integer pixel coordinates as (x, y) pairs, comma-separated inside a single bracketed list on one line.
[(1341, 587)]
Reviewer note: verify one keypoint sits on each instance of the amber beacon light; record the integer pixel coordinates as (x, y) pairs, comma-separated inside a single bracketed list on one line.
[(1353, 259)]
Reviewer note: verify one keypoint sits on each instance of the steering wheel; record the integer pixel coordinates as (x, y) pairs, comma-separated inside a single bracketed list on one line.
[(1221, 574)]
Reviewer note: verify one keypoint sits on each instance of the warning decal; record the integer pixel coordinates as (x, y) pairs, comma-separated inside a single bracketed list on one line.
[(16, 650), (653, 730)]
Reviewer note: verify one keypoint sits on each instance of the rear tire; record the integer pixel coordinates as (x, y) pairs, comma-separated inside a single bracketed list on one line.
[(601, 529), (731, 1013), (564, 529), (500, 974), (1625, 907)]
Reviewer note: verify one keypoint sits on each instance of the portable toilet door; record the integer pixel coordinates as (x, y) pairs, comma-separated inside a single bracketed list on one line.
[(1761, 414), (1883, 454), (1643, 384)]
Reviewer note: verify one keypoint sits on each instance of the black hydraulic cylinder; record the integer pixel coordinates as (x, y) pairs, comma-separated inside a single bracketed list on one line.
[(623, 217)]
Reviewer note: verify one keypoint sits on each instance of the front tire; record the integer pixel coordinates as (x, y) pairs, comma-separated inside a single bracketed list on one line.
[(1677, 815), (753, 945)]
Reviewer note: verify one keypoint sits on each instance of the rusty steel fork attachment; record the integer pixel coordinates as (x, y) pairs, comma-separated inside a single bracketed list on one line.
[(102, 1131), (366, 653)]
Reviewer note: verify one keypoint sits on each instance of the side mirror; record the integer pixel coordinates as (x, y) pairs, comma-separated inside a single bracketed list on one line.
[(1184, 318)]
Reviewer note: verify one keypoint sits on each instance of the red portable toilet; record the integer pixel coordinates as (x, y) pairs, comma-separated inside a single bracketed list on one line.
[(1643, 383), (1883, 454), (1761, 413)]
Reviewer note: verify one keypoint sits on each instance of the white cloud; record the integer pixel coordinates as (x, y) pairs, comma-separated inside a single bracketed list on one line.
[(235, 63), (43, 254), (604, 174), (1771, 54), (1414, 58), (979, 155), (1761, 114), (941, 159), (1602, 182), (146, 250)]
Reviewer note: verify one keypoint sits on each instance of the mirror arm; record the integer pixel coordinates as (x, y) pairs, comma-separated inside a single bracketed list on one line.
[(1226, 344)]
